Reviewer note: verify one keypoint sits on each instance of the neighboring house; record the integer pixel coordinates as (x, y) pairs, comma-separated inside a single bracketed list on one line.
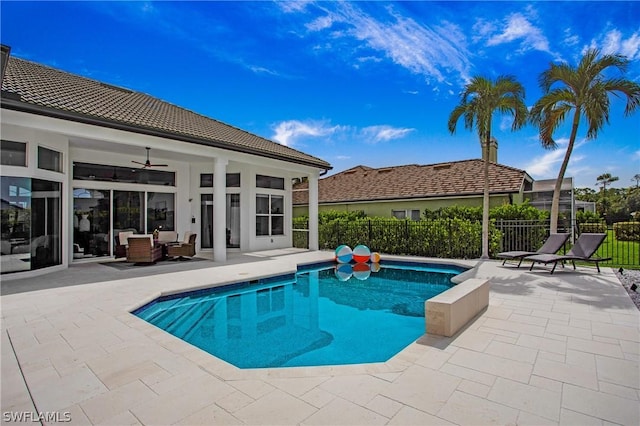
[(541, 196), (406, 191), (70, 181)]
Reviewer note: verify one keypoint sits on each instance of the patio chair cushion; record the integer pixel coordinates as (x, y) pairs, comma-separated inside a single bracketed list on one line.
[(167, 236), (123, 236)]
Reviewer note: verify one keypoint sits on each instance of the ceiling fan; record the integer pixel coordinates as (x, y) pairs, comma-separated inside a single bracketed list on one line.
[(147, 163)]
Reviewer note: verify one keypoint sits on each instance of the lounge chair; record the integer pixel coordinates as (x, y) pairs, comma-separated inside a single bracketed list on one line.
[(551, 246), (586, 245)]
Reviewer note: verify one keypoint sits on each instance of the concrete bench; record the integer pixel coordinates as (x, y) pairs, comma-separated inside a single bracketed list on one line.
[(448, 312)]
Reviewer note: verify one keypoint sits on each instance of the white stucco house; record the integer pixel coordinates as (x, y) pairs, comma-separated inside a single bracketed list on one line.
[(73, 174)]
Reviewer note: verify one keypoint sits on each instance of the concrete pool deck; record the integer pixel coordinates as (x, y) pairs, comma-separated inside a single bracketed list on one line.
[(550, 349)]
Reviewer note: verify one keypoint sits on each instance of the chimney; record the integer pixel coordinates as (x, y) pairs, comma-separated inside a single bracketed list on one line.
[(493, 150)]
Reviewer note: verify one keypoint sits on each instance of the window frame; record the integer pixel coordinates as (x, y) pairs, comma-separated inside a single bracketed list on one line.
[(270, 215)]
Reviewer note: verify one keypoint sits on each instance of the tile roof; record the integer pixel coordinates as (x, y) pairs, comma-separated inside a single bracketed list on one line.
[(457, 178), (58, 93)]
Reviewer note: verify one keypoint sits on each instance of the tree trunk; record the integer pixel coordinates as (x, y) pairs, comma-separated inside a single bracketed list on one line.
[(555, 202), (485, 200)]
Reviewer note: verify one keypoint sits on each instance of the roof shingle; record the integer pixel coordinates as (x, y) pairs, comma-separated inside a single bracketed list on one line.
[(457, 178), (56, 90)]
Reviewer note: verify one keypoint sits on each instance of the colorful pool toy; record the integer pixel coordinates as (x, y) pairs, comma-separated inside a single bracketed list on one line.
[(375, 257), (344, 254), (361, 253)]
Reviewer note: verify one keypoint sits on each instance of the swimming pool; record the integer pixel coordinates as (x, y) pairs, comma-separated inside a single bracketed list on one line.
[(322, 315)]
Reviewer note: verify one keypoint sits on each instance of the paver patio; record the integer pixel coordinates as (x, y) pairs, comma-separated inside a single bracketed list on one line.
[(550, 349)]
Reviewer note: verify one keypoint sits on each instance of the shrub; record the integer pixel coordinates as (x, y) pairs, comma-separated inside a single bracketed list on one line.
[(600, 227), (523, 211), (454, 212), (627, 231), (587, 217)]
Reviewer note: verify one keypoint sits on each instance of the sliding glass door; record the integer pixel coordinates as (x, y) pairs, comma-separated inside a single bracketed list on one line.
[(232, 220), (31, 224), (206, 220), (91, 223)]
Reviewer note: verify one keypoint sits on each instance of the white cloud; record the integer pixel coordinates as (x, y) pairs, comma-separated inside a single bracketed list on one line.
[(289, 132), (518, 28), (428, 51), (293, 6), (614, 43), (482, 29), (320, 23), (262, 70), (375, 134), (547, 165), (570, 39)]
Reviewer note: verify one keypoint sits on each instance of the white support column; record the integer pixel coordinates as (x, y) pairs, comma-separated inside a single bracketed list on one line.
[(220, 210), (313, 211)]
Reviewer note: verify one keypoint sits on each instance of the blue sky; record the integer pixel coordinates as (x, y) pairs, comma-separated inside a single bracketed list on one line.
[(353, 83)]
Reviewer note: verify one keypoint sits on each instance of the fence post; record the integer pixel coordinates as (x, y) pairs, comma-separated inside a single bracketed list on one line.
[(450, 250)]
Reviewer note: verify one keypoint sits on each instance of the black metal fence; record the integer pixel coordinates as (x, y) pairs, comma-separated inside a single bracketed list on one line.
[(458, 239)]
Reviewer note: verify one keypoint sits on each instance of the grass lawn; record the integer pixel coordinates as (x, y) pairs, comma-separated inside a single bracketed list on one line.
[(623, 253)]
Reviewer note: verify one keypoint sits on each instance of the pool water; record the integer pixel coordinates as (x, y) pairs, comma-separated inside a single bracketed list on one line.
[(323, 315)]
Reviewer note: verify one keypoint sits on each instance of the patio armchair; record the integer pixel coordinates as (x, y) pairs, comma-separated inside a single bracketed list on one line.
[(583, 250), (184, 250), (550, 246), (142, 249)]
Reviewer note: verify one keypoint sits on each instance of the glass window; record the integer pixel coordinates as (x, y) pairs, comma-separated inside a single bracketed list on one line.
[(262, 225), (269, 214), (99, 172), (233, 180), (269, 182), (128, 211), (160, 212), (31, 223), (415, 214), (206, 180), (399, 214), (262, 204), (49, 159), (13, 153)]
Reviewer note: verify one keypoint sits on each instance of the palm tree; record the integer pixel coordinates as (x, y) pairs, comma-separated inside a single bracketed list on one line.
[(636, 177), (604, 180), (479, 100), (585, 90)]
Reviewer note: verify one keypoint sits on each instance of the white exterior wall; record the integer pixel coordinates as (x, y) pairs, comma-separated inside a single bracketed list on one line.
[(92, 144)]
